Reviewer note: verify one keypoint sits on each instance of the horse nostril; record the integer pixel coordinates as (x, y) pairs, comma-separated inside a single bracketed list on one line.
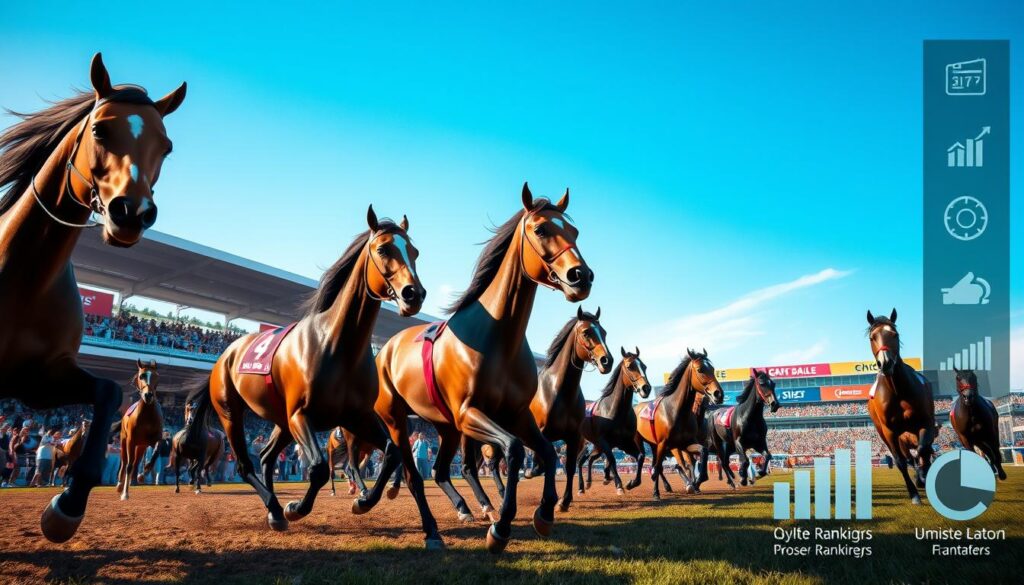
[(120, 209), (647, 388), (605, 361), (409, 293), (149, 217)]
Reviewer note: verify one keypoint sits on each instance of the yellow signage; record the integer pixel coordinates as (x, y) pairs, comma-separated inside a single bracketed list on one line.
[(866, 367), (822, 370)]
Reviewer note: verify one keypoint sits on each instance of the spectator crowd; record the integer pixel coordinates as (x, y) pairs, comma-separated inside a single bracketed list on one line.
[(129, 328)]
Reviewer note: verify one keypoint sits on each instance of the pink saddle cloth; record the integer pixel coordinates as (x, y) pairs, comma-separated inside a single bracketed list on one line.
[(131, 408), (724, 417), (428, 338), (259, 356)]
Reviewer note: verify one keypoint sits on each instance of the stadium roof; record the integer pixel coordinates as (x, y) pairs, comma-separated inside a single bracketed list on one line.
[(171, 269)]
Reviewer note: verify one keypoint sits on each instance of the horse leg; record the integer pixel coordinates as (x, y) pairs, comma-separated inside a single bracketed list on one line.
[(479, 426), (240, 447), (448, 437), (580, 460), (995, 457), (129, 470), (741, 451), (572, 449), (893, 442), (529, 432), (656, 468), (762, 447), (724, 456), (122, 468), (396, 444), (495, 464), (177, 470), (925, 440), (471, 473), (279, 439), (318, 468), (603, 447), (641, 453), (352, 470)]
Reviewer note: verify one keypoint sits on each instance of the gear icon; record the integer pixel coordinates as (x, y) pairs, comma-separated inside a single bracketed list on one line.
[(966, 218)]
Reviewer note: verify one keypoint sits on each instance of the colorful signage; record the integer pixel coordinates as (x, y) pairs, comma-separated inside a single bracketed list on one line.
[(866, 367), (845, 393), (809, 370), (95, 302), (790, 395)]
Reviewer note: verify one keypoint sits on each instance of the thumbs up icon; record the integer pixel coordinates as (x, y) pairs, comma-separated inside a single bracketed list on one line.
[(967, 291)]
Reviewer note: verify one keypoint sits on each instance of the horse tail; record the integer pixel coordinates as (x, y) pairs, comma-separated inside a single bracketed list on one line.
[(196, 429)]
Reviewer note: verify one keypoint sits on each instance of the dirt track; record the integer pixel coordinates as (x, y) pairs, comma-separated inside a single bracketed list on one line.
[(221, 535)]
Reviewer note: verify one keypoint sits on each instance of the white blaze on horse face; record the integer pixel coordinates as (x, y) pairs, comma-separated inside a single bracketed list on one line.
[(135, 125), (403, 248), (558, 221), (133, 169), (597, 333)]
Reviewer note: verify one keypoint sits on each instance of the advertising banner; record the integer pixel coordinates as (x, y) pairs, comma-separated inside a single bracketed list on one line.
[(791, 395), (845, 393), (95, 302)]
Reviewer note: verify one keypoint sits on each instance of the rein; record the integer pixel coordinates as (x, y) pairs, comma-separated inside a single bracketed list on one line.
[(590, 356), (391, 296), (553, 279)]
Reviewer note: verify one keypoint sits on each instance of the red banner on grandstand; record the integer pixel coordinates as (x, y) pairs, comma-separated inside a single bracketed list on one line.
[(802, 371), (95, 302), (845, 393)]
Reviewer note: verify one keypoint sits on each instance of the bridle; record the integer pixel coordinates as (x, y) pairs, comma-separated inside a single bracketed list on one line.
[(704, 381), (95, 204), (633, 381), (760, 391), (590, 354), (553, 279), (391, 295)]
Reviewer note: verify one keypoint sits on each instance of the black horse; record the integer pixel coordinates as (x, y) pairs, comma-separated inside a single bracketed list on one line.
[(975, 420), (741, 428), (610, 422)]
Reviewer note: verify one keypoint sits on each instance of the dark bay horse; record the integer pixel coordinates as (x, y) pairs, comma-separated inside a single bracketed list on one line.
[(610, 422), (669, 422), (141, 427), (741, 430), (322, 374), (482, 367), (202, 459), (901, 403), (559, 406), (975, 420), (338, 454), (98, 152)]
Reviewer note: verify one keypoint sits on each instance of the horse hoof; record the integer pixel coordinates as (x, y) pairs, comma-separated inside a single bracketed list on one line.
[(915, 500), (580, 492), (197, 492), (392, 493), (563, 506), (177, 490), (495, 543), (291, 511), (124, 496), (358, 508), (541, 526), (277, 524), (434, 544), (606, 481), (620, 491), (688, 490), (528, 474), (139, 479), (352, 490), (466, 517), (56, 525), (589, 483), (656, 498), (491, 514), (333, 494)]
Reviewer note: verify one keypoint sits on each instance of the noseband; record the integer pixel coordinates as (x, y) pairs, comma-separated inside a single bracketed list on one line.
[(760, 391), (634, 382), (553, 279), (590, 355), (391, 295)]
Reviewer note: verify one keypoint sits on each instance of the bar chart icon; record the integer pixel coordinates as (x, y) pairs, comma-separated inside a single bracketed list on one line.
[(976, 356), (800, 495), (969, 153)]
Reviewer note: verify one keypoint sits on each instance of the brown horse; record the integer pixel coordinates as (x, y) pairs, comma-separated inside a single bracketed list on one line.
[(66, 455), (558, 407), (484, 369), (610, 422), (322, 375), (976, 421), (141, 427), (669, 422), (901, 403), (201, 461), (338, 453), (99, 151)]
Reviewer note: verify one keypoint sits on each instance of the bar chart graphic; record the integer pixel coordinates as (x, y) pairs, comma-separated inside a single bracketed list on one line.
[(800, 495), (969, 153), (976, 356)]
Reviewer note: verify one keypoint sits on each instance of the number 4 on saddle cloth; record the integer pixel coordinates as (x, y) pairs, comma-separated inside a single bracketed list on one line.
[(259, 356)]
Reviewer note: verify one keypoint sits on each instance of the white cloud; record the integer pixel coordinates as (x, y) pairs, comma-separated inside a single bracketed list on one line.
[(733, 324), (801, 355)]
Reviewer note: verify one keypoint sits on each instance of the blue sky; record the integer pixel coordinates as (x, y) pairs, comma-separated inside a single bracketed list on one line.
[(726, 165)]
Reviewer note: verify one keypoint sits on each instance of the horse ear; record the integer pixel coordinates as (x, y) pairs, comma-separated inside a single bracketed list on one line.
[(579, 312), (892, 316), (622, 350), (170, 102), (138, 362), (152, 364), (956, 370), (871, 318), (704, 352), (563, 203), (527, 197), (371, 219), (99, 77), (637, 349), (597, 315), (405, 223)]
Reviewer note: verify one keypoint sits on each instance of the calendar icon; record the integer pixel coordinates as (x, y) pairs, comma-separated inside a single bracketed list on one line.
[(966, 78)]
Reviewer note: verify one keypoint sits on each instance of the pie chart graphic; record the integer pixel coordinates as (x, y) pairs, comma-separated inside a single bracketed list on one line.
[(960, 485)]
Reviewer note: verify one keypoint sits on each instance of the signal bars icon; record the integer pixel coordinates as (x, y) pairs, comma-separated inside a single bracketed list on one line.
[(823, 488)]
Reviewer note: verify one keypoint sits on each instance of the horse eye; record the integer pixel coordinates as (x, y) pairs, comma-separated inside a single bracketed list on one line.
[(97, 132), (539, 231)]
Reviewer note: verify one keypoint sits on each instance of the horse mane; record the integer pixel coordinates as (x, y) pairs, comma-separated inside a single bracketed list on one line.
[(675, 378), (335, 277), (559, 341), (25, 146), (491, 257), (878, 322), (609, 386), (746, 391)]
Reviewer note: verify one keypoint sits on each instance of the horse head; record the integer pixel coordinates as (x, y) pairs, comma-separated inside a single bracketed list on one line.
[(702, 376), (634, 372), (146, 380), (118, 153), (392, 256), (764, 385), (548, 252), (589, 341), (967, 386), (885, 342)]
